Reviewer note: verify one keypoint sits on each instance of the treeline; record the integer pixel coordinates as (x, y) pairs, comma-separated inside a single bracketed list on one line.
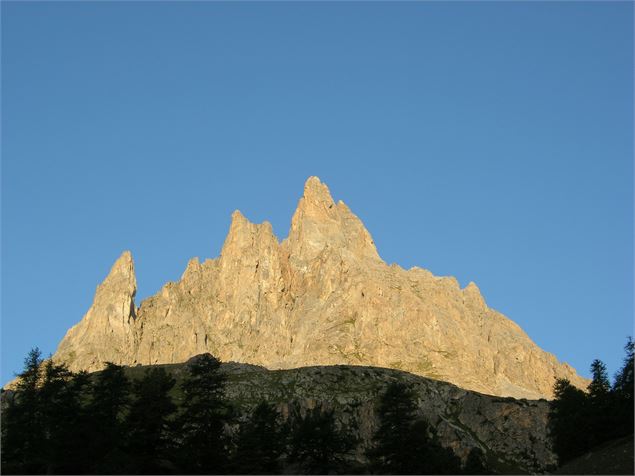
[(580, 420), (60, 422)]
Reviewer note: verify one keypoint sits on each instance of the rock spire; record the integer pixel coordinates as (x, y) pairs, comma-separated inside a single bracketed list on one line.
[(107, 331)]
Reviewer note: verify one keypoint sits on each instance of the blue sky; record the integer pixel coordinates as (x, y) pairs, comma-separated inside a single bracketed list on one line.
[(488, 141)]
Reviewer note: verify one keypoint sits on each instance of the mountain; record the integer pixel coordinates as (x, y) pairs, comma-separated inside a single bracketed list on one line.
[(322, 296)]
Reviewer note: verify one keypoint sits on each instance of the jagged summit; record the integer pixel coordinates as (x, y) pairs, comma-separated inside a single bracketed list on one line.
[(109, 323), (122, 274), (322, 296), (319, 223), (316, 192)]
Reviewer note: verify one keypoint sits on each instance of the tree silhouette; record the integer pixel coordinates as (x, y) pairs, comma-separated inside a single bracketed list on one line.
[(623, 390), (397, 412), (568, 422), (601, 413), (579, 421), (149, 441), (405, 443), (60, 397), (600, 385), (260, 442), (624, 377), (107, 409), (205, 412), (79, 426), (23, 438), (318, 446)]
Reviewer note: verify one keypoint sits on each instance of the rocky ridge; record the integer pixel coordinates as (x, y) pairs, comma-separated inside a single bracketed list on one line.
[(322, 296), (512, 433)]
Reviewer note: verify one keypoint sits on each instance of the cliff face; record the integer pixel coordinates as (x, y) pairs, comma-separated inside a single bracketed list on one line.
[(322, 296)]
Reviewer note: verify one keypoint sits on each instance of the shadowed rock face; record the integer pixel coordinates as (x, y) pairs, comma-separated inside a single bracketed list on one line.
[(322, 296), (512, 433)]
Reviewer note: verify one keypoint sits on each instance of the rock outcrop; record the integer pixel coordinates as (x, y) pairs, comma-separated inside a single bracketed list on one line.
[(323, 296)]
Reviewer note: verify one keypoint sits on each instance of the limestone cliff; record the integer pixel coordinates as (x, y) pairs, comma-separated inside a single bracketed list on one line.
[(322, 296)]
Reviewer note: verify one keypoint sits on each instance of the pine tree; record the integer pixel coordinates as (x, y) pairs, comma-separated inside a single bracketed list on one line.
[(60, 396), (78, 425), (397, 412), (260, 442), (601, 414), (624, 379), (148, 425), (600, 385), (579, 421), (106, 411), (405, 443), (569, 424), (318, 446), (204, 414), (623, 390), (23, 437)]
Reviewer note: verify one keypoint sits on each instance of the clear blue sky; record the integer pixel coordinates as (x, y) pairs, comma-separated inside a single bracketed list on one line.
[(489, 141)]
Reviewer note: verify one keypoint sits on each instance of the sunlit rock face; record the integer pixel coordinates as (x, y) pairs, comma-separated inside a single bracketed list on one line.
[(107, 333), (322, 296)]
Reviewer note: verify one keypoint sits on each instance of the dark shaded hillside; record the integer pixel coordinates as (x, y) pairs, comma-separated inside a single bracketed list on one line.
[(613, 457), (512, 433), (506, 435)]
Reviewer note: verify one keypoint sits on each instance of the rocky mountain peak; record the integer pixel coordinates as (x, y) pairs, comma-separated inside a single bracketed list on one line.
[(243, 237), (316, 192), (321, 297), (106, 333), (121, 277), (318, 222), (473, 295)]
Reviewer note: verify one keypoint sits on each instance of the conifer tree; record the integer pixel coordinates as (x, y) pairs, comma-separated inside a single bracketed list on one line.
[(601, 409), (624, 379), (600, 385), (23, 438), (397, 412), (148, 424), (318, 446), (78, 427), (205, 412), (106, 412), (569, 424), (405, 443), (60, 397), (260, 442), (579, 421), (623, 390)]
